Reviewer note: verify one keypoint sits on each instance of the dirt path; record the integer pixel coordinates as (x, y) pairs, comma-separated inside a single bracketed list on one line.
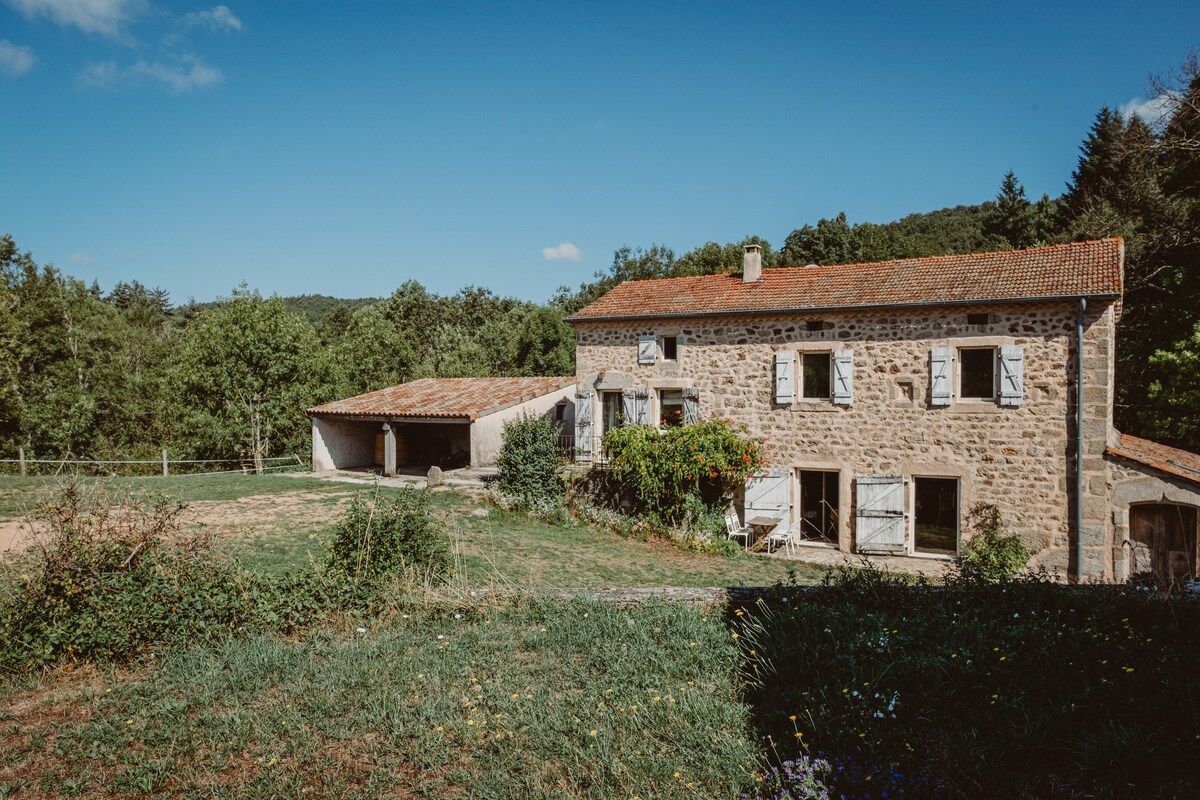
[(262, 513)]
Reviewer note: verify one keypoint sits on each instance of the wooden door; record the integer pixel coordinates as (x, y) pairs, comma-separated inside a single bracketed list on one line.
[(1163, 541)]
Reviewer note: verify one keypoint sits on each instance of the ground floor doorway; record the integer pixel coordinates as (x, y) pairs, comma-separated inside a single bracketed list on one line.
[(817, 518), (935, 515)]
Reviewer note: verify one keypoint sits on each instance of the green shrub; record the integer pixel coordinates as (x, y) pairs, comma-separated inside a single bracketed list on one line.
[(990, 555), (530, 464), (388, 535), (667, 472), (107, 576)]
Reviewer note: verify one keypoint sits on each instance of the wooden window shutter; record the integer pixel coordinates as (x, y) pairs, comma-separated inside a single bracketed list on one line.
[(1012, 375), (628, 407), (641, 406), (770, 495), (940, 361), (879, 514), (583, 424), (785, 377), (647, 349), (691, 406), (843, 376)]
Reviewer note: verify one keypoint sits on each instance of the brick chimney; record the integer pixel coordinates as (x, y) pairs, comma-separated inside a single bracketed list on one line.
[(751, 264)]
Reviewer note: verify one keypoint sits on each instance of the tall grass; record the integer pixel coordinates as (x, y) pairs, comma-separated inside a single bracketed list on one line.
[(527, 699)]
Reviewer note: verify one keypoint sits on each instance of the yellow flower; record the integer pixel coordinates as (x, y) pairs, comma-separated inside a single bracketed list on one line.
[(592, 732), (792, 717)]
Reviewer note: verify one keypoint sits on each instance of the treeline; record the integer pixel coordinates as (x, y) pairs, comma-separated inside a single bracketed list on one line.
[(123, 374)]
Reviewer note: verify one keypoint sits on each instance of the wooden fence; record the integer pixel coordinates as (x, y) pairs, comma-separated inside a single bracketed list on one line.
[(244, 465)]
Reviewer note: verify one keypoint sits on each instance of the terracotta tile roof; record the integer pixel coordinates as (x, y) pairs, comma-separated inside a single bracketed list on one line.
[(1177, 462), (468, 398), (1089, 269)]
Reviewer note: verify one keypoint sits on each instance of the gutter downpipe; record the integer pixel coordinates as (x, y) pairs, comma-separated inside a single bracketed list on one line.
[(1079, 441)]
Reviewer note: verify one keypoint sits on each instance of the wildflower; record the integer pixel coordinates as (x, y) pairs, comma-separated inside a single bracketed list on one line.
[(592, 732)]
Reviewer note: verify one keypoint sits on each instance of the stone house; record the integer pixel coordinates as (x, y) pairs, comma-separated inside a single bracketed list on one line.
[(443, 422), (893, 397)]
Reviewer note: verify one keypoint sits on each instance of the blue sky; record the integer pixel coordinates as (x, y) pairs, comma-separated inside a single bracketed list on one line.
[(345, 147)]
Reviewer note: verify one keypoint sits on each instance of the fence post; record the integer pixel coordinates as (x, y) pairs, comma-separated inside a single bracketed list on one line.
[(166, 471), (21, 458)]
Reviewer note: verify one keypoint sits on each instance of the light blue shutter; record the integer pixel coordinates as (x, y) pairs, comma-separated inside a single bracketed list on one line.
[(641, 406), (691, 406), (628, 407), (647, 349), (879, 514), (770, 495), (1012, 375), (785, 381), (940, 360), (583, 425), (843, 376)]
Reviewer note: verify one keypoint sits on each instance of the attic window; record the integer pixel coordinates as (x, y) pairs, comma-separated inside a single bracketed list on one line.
[(978, 319), (818, 325)]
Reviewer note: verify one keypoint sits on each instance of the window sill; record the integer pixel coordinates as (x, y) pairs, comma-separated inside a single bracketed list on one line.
[(814, 405)]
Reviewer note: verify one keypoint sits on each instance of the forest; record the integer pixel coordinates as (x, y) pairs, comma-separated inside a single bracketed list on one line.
[(122, 374)]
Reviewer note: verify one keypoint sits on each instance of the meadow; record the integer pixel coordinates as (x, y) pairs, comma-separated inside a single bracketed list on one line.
[(869, 685)]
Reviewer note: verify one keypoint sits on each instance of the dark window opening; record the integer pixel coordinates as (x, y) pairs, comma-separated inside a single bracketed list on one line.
[(978, 373), (978, 319), (670, 347), (935, 515), (818, 325), (670, 408), (815, 383), (818, 518)]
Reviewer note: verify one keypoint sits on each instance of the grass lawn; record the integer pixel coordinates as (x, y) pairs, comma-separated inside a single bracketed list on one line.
[(532, 699), (277, 523)]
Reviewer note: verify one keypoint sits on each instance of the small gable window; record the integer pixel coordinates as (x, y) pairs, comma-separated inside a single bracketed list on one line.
[(818, 325), (670, 348), (978, 319)]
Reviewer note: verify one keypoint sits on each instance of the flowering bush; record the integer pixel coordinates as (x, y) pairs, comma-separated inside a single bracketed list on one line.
[(668, 472)]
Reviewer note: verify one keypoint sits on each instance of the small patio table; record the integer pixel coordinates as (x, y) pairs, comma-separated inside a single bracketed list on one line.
[(761, 526)]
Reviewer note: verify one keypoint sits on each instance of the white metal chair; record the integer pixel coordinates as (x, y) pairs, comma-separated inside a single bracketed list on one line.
[(735, 529), (785, 537)]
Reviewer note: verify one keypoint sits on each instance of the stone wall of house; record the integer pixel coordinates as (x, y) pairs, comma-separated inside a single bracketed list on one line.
[(1020, 458)]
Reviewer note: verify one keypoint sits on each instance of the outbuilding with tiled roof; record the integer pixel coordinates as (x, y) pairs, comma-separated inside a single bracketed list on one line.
[(444, 422)]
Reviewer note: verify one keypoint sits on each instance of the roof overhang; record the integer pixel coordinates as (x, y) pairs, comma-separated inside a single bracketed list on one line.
[(1065, 298)]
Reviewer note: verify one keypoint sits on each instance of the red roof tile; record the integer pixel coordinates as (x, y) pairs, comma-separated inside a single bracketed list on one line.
[(469, 398), (1180, 463), (1088, 269)]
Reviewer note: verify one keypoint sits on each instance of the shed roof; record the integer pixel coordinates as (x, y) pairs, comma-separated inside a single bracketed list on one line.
[(1078, 269), (441, 398), (1181, 463)]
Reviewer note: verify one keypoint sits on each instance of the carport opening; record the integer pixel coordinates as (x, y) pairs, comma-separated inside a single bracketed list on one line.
[(428, 444)]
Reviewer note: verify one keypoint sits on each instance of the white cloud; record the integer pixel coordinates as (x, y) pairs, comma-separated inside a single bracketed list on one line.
[(81, 259), (218, 18), (105, 17), (14, 59), (1152, 111), (178, 78), (564, 252)]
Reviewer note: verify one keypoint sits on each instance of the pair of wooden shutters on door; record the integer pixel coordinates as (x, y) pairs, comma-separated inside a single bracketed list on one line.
[(1011, 360)]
